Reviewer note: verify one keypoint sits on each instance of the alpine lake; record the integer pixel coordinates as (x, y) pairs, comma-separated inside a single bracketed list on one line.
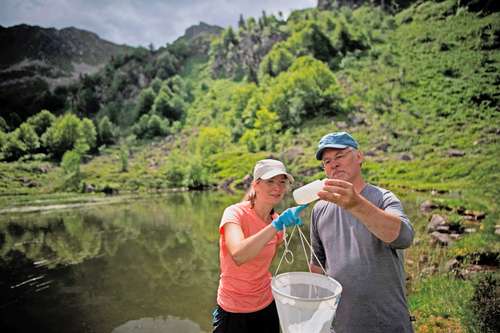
[(144, 264)]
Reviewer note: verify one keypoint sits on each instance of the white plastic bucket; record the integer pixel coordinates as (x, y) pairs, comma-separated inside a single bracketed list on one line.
[(306, 302)]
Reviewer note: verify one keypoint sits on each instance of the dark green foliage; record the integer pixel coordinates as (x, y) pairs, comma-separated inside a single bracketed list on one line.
[(485, 304), (87, 102), (150, 126), (321, 47), (13, 148), (145, 101), (106, 131), (171, 100), (238, 55), (3, 138), (41, 121), (3, 125)]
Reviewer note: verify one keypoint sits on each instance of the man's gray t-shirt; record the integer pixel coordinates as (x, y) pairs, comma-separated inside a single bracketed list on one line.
[(370, 271)]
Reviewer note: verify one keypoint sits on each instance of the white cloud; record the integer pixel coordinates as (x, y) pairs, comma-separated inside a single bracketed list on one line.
[(136, 22)]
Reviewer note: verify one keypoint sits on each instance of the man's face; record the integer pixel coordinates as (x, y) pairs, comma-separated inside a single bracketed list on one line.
[(344, 164)]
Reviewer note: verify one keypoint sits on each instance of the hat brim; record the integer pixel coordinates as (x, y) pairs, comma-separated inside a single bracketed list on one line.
[(273, 173), (319, 153)]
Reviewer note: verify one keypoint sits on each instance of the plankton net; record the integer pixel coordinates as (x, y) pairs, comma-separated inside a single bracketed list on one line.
[(306, 301)]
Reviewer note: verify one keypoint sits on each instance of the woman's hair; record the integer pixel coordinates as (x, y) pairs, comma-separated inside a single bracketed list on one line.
[(250, 195)]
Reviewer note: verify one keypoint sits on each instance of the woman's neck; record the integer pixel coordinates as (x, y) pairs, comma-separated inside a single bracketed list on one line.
[(263, 211)]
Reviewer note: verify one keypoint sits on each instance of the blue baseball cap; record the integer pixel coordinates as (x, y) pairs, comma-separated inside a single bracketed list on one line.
[(338, 140)]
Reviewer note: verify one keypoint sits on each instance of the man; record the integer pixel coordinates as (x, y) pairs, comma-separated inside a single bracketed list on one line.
[(358, 232)]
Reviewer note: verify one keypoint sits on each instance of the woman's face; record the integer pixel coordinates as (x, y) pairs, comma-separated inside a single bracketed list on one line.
[(271, 190)]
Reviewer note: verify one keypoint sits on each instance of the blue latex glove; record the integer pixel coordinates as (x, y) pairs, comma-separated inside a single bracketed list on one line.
[(288, 218)]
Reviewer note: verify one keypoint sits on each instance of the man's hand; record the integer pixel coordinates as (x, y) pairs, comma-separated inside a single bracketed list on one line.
[(384, 225), (340, 192)]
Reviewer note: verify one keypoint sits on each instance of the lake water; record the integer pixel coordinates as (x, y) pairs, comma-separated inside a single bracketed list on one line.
[(148, 265)]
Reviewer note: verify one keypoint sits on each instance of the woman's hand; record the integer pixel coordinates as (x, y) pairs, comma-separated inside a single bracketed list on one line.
[(289, 218)]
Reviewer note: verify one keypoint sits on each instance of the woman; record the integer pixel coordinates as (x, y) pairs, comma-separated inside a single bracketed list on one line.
[(250, 232)]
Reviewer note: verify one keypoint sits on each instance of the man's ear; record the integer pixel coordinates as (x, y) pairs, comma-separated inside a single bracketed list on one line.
[(360, 157)]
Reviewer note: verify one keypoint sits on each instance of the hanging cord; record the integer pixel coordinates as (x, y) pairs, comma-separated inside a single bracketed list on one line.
[(288, 254)]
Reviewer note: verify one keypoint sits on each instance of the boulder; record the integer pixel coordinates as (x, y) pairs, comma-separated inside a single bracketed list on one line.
[(427, 206), (291, 154), (441, 239), (383, 147), (405, 157), (435, 222), (88, 188), (452, 264), (455, 153), (226, 184), (473, 215)]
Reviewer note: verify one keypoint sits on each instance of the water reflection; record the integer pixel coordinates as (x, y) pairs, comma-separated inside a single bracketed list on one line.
[(158, 325), (105, 269)]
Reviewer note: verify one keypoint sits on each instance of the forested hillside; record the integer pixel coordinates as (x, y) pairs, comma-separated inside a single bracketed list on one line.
[(417, 86)]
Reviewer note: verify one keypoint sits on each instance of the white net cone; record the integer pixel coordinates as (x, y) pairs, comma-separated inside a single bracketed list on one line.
[(306, 301)]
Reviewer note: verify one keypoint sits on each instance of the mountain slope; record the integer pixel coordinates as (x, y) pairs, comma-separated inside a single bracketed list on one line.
[(34, 61)]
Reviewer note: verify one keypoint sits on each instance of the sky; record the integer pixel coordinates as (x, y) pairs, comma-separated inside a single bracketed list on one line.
[(136, 22)]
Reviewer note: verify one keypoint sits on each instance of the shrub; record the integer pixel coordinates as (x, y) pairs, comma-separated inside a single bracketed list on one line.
[(41, 121), (212, 140), (145, 102), (106, 131), (175, 170), (485, 304), (27, 135), (13, 148), (88, 133), (197, 175), (306, 90), (71, 165), (124, 155), (65, 132)]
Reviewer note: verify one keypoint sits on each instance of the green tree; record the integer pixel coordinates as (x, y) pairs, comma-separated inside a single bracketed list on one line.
[(27, 135), (278, 60), (3, 125), (145, 101), (87, 101), (123, 154), (3, 138), (13, 148), (157, 127), (88, 133), (175, 169), (265, 134), (306, 90), (196, 176), (168, 103), (71, 166), (66, 132), (241, 22), (105, 131), (41, 121), (212, 140), (156, 85)]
